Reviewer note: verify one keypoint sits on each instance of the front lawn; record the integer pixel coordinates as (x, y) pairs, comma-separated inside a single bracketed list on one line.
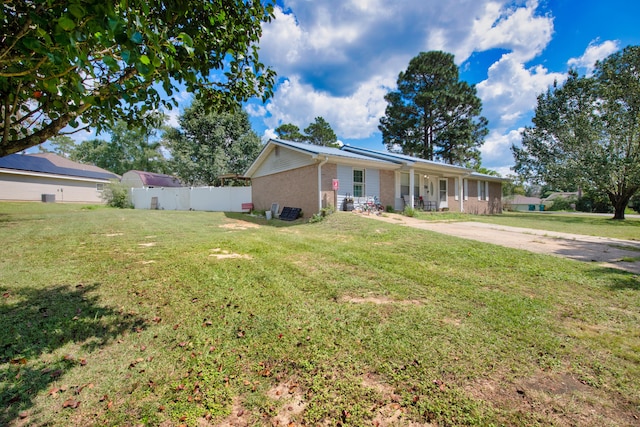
[(133, 317)]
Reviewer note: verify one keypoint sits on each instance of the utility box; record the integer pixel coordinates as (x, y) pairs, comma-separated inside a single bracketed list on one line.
[(48, 198)]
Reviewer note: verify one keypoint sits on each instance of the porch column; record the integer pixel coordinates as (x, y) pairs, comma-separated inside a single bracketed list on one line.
[(411, 186)]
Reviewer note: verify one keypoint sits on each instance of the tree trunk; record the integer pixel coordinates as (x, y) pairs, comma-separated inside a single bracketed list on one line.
[(619, 203)]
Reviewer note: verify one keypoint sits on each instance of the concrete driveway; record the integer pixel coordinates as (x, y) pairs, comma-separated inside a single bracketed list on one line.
[(602, 250)]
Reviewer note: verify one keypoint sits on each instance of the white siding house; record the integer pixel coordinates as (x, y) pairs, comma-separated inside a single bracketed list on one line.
[(49, 177)]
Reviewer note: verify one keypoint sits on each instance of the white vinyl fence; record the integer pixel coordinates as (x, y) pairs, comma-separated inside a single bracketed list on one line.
[(221, 199)]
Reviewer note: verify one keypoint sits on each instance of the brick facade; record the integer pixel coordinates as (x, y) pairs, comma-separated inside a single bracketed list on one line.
[(297, 188)]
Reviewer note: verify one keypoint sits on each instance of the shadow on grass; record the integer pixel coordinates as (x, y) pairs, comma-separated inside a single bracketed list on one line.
[(625, 281), (35, 323)]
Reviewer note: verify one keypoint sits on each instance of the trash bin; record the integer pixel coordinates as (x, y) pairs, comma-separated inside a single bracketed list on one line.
[(541, 208), (48, 198), (532, 207), (268, 215)]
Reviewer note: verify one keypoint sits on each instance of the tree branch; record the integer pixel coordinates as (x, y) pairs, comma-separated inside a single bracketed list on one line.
[(42, 135), (25, 73)]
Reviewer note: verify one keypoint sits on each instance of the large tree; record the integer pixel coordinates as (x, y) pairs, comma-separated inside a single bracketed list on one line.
[(210, 144), (289, 132), (96, 62), (318, 133), (129, 148), (586, 132), (433, 115)]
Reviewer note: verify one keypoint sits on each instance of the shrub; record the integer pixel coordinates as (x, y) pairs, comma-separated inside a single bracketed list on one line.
[(389, 209), (408, 211), (561, 204), (325, 212), (116, 195), (594, 202)]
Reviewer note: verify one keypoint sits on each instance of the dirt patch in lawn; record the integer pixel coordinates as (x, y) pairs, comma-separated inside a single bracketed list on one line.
[(378, 300), (239, 225), (219, 253), (557, 398)]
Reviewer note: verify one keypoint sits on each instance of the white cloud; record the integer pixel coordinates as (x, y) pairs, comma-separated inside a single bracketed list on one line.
[(511, 90), (594, 52), (496, 151), (495, 25), (340, 57), (354, 116)]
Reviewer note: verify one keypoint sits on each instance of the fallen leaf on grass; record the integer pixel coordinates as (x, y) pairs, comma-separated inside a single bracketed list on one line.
[(19, 361), (55, 374), (441, 385), (70, 403), (6, 295)]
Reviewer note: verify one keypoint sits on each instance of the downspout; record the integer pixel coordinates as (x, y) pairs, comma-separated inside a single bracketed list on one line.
[(326, 159)]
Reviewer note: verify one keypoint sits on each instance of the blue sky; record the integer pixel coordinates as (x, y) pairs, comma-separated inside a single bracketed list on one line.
[(338, 58)]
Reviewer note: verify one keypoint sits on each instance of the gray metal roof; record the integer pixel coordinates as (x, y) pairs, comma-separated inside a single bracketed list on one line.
[(398, 157), (328, 151), (50, 165)]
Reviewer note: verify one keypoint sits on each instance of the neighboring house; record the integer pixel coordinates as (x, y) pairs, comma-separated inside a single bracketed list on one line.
[(518, 203), (49, 177), (139, 179), (302, 175)]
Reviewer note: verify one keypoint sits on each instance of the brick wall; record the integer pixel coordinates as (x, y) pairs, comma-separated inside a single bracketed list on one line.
[(484, 207), (387, 188), (297, 188)]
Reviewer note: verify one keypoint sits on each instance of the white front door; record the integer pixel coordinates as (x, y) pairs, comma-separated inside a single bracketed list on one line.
[(443, 199)]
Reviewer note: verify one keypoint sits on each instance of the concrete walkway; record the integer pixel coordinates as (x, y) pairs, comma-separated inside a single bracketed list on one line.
[(606, 251)]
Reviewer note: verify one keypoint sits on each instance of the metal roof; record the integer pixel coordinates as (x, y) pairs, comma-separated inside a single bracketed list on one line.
[(327, 151), (50, 163), (151, 179)]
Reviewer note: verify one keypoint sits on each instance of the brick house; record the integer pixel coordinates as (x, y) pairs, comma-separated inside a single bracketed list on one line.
[(302, 175)]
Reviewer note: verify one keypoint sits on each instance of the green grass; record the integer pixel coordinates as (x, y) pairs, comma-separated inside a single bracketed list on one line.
[(575, 223), (132, 317)]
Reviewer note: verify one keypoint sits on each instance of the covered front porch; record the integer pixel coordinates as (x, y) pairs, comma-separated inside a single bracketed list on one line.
[(429, 190)]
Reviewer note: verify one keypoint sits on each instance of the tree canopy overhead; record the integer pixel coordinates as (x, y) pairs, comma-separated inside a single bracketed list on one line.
[(96, 62), (586, 132), (433, 115)]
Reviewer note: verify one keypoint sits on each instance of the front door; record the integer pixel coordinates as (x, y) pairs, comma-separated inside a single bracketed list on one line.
[(443, 199)]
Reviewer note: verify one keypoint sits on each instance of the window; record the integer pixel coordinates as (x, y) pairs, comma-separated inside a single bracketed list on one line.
[(443, 190), (404, 184), (465, 189), (358, 183), (483, 190), (99, 186), (456, 184)]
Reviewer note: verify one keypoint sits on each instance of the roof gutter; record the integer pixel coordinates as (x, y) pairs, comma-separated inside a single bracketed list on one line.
[(323, 162)]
